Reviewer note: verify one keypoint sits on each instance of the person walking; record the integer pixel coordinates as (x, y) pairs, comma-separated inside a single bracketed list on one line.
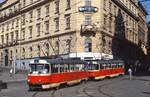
[(11, 72), (130, 73)]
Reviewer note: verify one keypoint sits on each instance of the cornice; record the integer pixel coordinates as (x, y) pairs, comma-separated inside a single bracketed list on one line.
[(117, 2)]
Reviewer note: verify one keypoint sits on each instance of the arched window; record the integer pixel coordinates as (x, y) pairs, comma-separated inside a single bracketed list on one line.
[(11, 54), (30, 52), (88, 45), (16, 54), (38, 51), (57, 48), (47, 49), (23, 53)]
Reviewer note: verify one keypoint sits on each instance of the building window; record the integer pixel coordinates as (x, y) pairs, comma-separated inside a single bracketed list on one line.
[(47, 49), (115, 10), (7, 26), (11, 54), (38, 51), (23, 19), (30, 51), (68, 45), (87, 2), (103, 41), (68, 4), (1, 57), (105, 22), (3, 28), (12, 27), (110, 6), (2, 39), (38, 13), (57, 6), (105, 4), (12, 36), (17, 22), (16, 54), (23, 33), (31, 1), (38, 29), (67, 17), (46, 27), (17, 34), (23, 53), (47, 10), (57, 24), (24, 3), (88, 45), (30, 32), (30, 16), (7, 38), (57, 48), (110, 24), (88, 20)]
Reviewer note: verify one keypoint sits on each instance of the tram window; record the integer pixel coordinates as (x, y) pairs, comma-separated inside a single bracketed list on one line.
[(66, 67), (46, 68), (71, 67), (115, 65), (54, 68), (96, 66), (106, 67), (101, 66), (110, 66), (32, 67), (61, 68)]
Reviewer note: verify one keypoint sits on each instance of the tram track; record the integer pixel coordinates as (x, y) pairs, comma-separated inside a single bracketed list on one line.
[(99, 89), (102, 92)]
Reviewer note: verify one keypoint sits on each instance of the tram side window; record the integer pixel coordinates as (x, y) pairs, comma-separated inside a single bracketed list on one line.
[(66, 67), (116, 66), (113, 66), (61, 68), (101, 66), (46, 68), (71, 67), (96, 66), (54, 68), (110, 66)]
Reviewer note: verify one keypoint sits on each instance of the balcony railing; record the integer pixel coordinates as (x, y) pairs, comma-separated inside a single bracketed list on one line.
[(88, 28)]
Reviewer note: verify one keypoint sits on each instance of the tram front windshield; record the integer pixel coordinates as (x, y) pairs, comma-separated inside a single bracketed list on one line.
[(39, 68)]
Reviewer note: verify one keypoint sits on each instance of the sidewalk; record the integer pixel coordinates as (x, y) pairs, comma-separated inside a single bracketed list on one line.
[(19, 76)]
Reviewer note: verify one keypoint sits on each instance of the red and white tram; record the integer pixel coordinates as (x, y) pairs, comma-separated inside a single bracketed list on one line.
[(49, 73), (99, 69)]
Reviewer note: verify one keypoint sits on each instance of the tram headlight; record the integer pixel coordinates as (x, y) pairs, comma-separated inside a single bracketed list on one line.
[(28, 80)]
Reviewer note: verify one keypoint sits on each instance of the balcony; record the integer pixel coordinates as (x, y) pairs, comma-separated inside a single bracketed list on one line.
[(88, 29)]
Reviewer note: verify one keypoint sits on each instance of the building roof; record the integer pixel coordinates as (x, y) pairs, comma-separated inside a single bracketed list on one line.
[(143, 8)]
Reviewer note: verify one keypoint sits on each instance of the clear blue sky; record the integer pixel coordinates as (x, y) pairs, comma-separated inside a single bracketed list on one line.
[(147, 4)]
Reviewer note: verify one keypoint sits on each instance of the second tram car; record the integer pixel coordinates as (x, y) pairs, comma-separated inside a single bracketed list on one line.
[(49, 73), (99, 69)]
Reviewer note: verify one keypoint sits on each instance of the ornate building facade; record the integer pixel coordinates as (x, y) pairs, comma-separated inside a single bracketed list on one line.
[(65, 28)]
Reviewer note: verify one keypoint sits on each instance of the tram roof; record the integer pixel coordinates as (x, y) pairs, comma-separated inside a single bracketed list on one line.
[(65, 61), (107, 61)]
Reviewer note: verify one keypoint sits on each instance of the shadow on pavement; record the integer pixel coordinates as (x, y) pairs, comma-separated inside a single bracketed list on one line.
[(146, 93), (146, 73)]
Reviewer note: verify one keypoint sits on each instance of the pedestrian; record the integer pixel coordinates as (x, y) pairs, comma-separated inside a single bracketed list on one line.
[(11, 72), (130, 73)]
